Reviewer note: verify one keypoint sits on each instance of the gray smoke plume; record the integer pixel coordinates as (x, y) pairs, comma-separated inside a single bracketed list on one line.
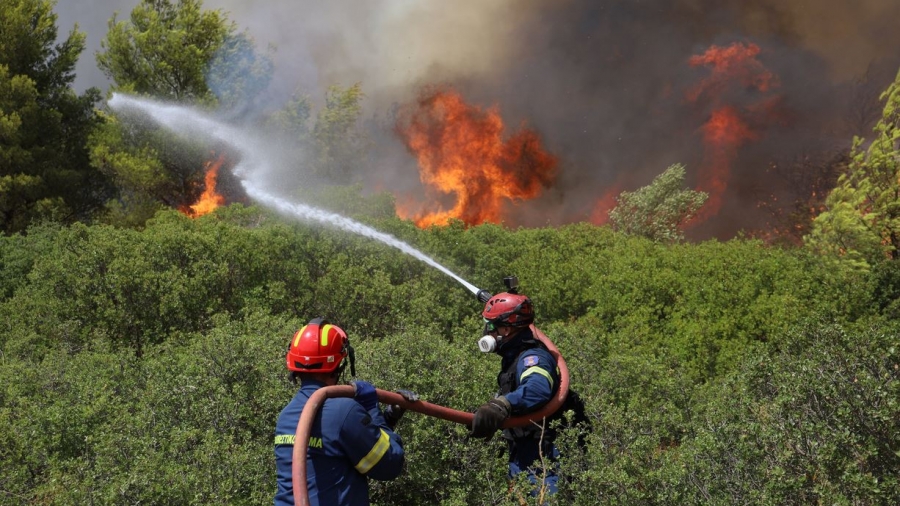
[(603, 83)]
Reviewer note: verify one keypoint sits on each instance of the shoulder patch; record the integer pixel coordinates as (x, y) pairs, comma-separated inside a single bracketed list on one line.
[(531, 360)]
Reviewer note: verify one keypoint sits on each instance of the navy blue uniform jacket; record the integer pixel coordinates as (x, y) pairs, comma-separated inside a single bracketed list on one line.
[(346, 445)]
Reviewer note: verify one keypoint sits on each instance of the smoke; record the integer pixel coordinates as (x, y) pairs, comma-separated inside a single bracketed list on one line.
[(256, 162), (603, 83)]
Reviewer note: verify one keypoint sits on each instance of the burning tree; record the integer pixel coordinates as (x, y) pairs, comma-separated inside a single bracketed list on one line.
[(659, 210), (861, 221), (180, 52), (462, 151), (210, 199), (735, 72)]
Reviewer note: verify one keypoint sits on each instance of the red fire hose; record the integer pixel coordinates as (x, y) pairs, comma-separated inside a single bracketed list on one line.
[(304, 425)]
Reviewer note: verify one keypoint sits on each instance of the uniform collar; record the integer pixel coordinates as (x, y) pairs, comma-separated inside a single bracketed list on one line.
[(310, 383)]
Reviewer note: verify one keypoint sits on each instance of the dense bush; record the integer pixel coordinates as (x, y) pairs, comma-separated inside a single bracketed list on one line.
[(147, 366), (814, 424)]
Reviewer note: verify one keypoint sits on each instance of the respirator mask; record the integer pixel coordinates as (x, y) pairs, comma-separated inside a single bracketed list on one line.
[(488, 343)]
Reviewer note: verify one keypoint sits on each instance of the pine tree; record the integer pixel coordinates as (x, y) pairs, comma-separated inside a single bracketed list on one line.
[(179, 51), (45, 171)]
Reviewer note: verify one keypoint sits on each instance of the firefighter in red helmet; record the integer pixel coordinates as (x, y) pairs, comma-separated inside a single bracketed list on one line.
[(528, 379), (351, 438)]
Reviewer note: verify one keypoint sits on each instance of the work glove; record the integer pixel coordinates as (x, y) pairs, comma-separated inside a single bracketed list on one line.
[(393, 413), (365, 394), (489, 417)]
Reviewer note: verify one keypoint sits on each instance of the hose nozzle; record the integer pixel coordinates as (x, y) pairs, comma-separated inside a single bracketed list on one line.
[(483, 296)]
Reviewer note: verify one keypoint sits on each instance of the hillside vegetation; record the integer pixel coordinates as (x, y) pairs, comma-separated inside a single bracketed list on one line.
[(142, 351), (147, 366)]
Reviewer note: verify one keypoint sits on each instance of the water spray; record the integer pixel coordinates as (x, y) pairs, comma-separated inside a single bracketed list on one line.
[(191, 123), (306, 212)]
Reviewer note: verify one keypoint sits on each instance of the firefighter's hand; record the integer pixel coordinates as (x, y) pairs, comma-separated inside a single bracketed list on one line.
[(489, 417), (393, 413), (408, 395), (365, 394)]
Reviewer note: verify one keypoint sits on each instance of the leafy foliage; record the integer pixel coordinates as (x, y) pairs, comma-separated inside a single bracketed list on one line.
[(178, 51), (339, 142), (861, 223), (173, 51), (328, 146), (659, 210), (814, 423), (45, 172), (293, 118), (147, 365)]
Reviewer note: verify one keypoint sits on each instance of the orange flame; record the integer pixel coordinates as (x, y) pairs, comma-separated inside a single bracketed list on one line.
[(723, 134), (209, 200), (729, 65), (460, 151), (605, 204), (728, 126)]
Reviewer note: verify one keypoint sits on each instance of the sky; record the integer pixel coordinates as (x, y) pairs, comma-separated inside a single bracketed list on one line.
[(605, 85)]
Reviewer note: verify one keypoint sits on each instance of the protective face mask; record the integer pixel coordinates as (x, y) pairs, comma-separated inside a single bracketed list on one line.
[(487, 344)]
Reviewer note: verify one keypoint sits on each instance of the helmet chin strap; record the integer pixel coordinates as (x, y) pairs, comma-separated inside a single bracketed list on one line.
[(502, 341), (351, 358), (351, 355)]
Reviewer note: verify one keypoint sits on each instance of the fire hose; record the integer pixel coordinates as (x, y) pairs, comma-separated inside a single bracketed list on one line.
[(315, 401)]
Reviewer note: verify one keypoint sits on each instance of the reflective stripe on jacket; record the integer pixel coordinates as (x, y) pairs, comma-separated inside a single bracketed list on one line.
[(528, 378), (346, 445)]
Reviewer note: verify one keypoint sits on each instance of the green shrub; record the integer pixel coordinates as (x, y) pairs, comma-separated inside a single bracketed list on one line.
[(814, 424), (147, 365)]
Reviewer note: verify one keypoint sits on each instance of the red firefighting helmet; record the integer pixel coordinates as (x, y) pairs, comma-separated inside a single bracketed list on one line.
[(317, 347), (509, 309)]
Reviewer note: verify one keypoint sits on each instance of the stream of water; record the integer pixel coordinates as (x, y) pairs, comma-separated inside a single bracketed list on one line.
[(254, 162)]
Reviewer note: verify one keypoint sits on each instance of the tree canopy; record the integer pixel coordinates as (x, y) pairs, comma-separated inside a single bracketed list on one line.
[(861, 222), (328, 144), (659, 210), (339, 142), (176, 51), (179, 51), (45, 170)]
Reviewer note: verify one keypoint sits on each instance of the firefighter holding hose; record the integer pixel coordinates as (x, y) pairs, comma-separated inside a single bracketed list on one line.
[(528, 379), (351, 439)]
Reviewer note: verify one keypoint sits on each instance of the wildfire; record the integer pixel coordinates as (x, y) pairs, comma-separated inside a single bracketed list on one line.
[(209, 200), (735, 64), (733, 68), (605, 204), (460, 151)]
